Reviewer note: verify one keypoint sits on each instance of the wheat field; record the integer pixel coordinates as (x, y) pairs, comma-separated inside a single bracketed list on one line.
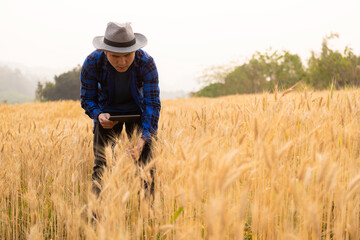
[(265, 166)]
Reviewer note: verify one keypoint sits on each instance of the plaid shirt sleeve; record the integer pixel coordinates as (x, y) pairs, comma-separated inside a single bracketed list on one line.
[(152, 102), (89, 88)]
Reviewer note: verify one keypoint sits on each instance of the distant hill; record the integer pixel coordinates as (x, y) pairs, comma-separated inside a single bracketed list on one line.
[(15, 87)]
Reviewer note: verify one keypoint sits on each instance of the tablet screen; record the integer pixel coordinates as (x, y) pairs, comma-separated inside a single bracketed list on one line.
[(125, 118)]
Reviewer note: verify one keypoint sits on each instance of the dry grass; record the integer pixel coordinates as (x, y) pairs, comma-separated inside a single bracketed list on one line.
[(239, 167)]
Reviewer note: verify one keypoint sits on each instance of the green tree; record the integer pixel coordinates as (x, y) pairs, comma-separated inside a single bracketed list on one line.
[(333, 67), (261, 73), (66, 87), (48, 93), (283, 70), (212, 90), (247, 78), (39, 91), (289, 71)]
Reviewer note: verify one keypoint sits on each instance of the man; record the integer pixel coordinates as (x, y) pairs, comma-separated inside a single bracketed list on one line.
[(120, 78)]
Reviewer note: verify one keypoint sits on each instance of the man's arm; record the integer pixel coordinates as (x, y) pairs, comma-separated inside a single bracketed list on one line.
[(89, 88), (152, 102)]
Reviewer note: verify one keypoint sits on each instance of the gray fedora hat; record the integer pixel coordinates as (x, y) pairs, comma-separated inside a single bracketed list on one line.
[(119, 38)]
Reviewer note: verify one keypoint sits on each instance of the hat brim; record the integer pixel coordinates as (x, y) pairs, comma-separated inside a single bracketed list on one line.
[(141, 41)]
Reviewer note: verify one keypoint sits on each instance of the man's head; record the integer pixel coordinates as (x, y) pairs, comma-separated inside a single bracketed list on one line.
[(119, 38), (120, 61)]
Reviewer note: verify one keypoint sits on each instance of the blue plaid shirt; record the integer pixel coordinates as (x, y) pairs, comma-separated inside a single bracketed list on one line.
[(97, 88)]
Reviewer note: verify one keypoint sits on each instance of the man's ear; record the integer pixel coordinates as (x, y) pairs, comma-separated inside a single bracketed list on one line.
[(105, 52)]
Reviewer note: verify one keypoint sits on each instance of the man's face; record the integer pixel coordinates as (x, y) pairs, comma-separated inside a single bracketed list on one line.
[(120, 61)]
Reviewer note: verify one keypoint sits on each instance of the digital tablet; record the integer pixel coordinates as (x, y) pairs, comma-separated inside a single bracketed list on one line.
[(125, 118)]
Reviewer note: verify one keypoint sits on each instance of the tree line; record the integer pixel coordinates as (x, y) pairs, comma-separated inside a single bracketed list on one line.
[(261, 73), (264, 71)]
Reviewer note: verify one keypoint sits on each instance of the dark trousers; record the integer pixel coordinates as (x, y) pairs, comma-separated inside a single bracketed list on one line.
[(105, 137)]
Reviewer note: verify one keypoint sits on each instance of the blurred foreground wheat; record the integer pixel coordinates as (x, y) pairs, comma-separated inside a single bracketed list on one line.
[(238, 167)]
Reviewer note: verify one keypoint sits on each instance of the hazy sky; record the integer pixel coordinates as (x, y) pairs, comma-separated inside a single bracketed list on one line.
[(184, 37)]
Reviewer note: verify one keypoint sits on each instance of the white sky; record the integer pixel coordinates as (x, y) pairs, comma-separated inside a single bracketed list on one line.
[(184, 37)]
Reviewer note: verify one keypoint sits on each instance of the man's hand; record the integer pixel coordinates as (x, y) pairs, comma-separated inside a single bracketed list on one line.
[(135, 153), (105, 122)]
